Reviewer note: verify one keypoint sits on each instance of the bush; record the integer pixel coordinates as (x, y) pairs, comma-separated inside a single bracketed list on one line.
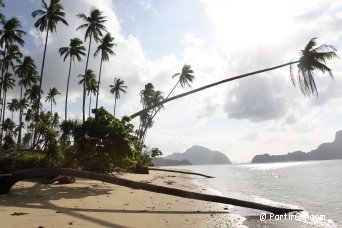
[(29, 161), (105, 142)]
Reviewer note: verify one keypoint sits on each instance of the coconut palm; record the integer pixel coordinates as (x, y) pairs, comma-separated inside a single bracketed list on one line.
[(94, 28), (7, 83), (50, 16), (11, 33), (312, 58), (117, 87), (32, 95), (75, 50), (88, 80), (51, 96), (91, 90), (27, 74), (106, 49), (13, 106), (2, 4)]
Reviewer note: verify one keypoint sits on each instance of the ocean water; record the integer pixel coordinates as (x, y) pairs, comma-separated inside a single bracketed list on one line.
[(315, 186)]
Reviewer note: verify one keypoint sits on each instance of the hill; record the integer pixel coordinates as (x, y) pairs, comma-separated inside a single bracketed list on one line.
[(325, 151), (199, 155), (169, 162)]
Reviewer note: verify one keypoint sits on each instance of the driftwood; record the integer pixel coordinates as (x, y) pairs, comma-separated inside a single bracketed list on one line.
[(8, 180), (178, 171)]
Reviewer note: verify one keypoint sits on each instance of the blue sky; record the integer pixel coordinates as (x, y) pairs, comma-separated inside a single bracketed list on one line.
[(219, 39)]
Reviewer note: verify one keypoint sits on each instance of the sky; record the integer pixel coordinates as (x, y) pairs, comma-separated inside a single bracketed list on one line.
[(261, 114)]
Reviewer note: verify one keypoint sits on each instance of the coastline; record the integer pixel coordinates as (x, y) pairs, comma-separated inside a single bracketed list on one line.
[(88, 203)]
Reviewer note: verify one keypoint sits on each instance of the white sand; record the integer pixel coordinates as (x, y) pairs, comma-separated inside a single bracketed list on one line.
[(89, 203)]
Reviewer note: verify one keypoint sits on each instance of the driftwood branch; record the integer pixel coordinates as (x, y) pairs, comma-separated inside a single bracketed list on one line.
[(8, 180), (178, 171)]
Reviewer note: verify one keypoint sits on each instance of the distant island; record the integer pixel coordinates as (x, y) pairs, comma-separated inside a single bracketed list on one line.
[(325, 151), (195, 155)]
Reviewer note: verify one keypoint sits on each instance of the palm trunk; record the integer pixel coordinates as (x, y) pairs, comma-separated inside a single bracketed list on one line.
[(98, 85), (67, 92), (3, 113), (1, 86), (114, 106), (40, 84), (51, 107), (12, 115), (86, 68), (89, 105), (20, 114), (7, 181), (208, 86)]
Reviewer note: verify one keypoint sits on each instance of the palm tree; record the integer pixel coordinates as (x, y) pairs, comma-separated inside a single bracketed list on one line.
[(117, 87), (7, 83), (11, 34), (91, 90), (312, 58), (51, 96), (94, 27), (75, 50), (2, 17), (88, 80), (27, 74), (106, 49), (32, 94), (50, 16), (13, 106)]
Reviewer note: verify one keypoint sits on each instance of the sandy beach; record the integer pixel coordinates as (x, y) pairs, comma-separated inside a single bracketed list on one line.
[(87, 203)]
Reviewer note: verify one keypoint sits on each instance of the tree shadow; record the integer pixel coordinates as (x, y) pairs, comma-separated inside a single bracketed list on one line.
[(40, 196)]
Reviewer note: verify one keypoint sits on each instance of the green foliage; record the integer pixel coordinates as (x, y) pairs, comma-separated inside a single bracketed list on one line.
[(28, 161), (104, 142), (148, 155)]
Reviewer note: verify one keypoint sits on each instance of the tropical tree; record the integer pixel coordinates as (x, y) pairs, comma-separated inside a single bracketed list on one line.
[(50, 16), (88, 80), (2, 4), (27, 74), (32, 94), (312, 58), (75, 50), (51, 96), (13, 106), (94, 28), (7, 83), (117, 87), (106, 49)]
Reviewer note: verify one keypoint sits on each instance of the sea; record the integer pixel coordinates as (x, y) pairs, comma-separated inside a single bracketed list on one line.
[(315, 186)]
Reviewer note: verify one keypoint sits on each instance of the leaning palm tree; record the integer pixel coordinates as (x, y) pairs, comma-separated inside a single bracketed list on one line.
[(94, 28), (49, 18), (27, 74), (75, 50), (87, 80), (117, 87), (13, 106), (106, 49), (312, 58), (51, 96)]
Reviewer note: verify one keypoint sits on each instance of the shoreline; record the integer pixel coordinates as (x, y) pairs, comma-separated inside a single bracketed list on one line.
[(88, 203)]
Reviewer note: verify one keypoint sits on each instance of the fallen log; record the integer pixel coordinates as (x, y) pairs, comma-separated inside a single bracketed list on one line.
[(179, 171), (8, 180)]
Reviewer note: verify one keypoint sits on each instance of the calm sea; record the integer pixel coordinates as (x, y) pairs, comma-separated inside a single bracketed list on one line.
[(315, 186)]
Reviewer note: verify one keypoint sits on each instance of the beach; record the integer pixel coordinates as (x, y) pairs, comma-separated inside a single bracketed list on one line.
[(88, 203)]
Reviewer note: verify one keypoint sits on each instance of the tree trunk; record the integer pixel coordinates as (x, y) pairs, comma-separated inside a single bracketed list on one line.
[(208, 86), (178, 171), (1, 85), (51, 107), (98, 85), (20, 115), (3, 114), (40, 84), (8, 180), (114, 106), (67, 92), (89, 105), (86, 68)]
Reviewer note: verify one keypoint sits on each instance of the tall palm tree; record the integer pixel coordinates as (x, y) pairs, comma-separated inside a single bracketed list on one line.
[(7, 83), (91, 90), (32, 94), (13, 106), (312, 58), (185, 78), (10, 35), (75, 51), (117, 87), (2, 4), (27, 74), (94, 28), (106, 49), (50, 16), (88, 80), (51, 96)]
